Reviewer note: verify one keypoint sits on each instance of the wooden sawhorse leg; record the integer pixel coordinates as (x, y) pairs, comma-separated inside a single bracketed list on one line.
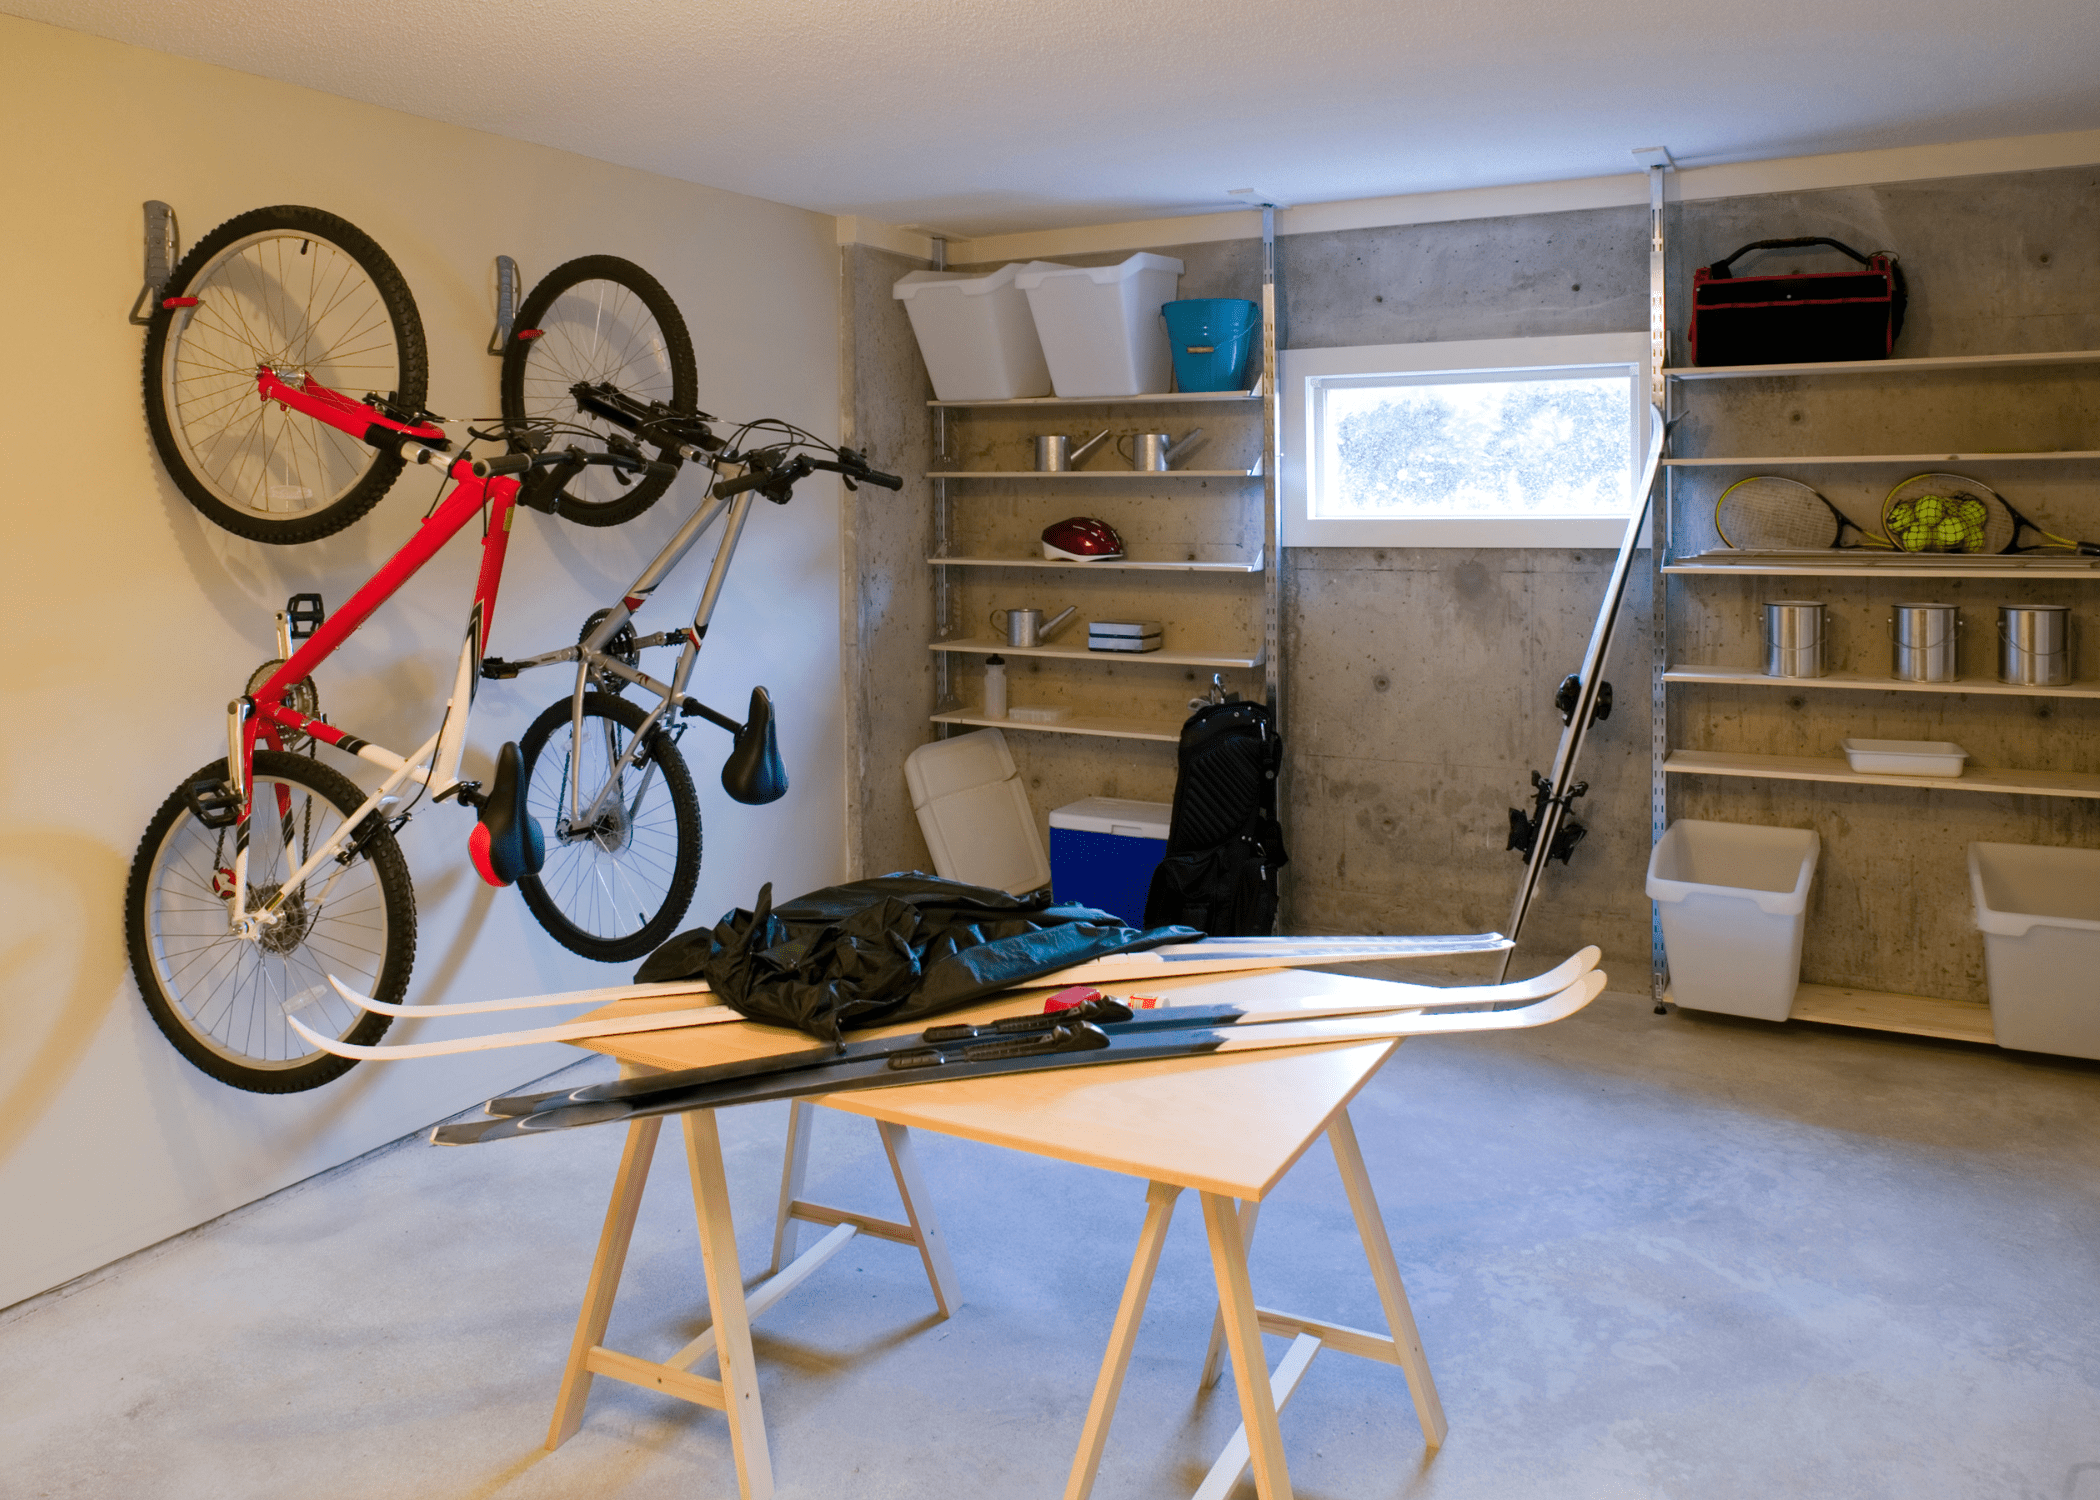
[(1122, 1338), (921, 1230), (1402, 1346), (736, 1393)]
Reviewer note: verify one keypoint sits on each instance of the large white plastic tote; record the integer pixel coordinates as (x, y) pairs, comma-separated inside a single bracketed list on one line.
[(1733, 898), (975, 813), (2039, 909), (975, 333), (1100, 325)]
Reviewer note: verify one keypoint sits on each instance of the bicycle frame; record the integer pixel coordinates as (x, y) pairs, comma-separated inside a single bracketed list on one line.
[(593, 660), (265, 716)]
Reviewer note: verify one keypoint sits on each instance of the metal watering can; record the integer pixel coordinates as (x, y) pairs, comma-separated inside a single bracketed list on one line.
[(1054, 453), (1027, 627), (1155, 452)]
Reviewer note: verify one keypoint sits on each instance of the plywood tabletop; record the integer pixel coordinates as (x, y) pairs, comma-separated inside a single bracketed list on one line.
[(1232, 1124)]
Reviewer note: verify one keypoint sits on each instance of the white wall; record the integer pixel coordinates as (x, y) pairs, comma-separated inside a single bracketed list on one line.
[(129, 620)]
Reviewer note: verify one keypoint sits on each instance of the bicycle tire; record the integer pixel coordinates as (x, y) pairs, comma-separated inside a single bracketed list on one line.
[(591, 319), (261, 472), (645, 863), (233, 1029)]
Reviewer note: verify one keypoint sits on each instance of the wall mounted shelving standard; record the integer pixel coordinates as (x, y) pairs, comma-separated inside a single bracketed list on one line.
[(1837, 1005)]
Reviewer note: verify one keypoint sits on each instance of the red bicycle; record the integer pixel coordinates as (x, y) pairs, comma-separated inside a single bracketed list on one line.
[(300, 291)]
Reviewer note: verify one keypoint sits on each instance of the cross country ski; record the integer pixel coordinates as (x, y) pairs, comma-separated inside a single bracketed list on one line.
[(1060, 1043), (1097, 1008), (1179, 960)]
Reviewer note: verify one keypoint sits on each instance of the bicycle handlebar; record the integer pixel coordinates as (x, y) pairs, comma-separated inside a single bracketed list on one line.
[(777, 481), (518, 463)]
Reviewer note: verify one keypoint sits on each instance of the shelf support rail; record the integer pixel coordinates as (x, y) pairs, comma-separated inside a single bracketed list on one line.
[(1657, 161)]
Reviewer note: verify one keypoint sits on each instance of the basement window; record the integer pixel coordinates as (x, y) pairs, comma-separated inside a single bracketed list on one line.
[(1493, 443)]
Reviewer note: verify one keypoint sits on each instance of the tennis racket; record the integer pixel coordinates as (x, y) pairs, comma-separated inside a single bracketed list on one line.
[(2004, 528), (1768, 514)]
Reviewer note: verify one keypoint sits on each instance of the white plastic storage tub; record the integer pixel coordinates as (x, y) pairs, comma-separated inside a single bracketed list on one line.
[(1103, 851), (2039, 909), (975, 333), (1734, 903), (1100, 325), (975, 813)]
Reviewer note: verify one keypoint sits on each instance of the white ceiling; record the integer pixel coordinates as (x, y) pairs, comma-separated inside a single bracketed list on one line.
[(974, 117)]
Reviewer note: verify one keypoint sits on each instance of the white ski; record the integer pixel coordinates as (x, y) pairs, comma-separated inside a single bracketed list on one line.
[(1211, 956), (1399, 997)]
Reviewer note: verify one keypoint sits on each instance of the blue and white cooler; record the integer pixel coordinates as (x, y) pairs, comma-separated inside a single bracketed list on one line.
[(1103, 851)]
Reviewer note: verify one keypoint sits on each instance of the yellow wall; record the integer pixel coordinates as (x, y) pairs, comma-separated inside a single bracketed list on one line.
[(128, 620)]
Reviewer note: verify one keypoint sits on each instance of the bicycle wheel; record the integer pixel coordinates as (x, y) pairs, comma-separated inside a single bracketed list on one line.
[(303, 292), (222, 998), (612, 889), (599, 320)]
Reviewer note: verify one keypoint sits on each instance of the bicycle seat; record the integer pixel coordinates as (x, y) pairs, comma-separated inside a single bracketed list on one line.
[(753, 773), (506, 842)]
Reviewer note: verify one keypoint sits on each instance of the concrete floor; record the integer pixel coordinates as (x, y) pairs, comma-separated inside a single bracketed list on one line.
[(1650, 1257)]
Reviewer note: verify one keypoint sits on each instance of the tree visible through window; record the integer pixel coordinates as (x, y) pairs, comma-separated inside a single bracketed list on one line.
[(1439, 445)]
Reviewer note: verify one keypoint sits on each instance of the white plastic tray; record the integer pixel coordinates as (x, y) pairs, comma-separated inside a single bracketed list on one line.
[(1905, 757)]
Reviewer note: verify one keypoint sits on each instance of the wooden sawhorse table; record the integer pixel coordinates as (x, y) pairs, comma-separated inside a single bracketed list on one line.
[(1227, 1127)]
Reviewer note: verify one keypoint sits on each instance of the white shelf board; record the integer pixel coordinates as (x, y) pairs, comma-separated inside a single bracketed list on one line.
[(1065, 476), (1888, 366), (1854, 563), (1106, 728), (1080, 653), (1919, 1015), (1164, 398), (1735, 677), (1879, 458), (1123, 564), (1819, 768)]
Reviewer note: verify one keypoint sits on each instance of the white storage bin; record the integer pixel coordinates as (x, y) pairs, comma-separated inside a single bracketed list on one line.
[(975, 813), (975, 333), (1100, 325), (1733, 898), (2039, 910)]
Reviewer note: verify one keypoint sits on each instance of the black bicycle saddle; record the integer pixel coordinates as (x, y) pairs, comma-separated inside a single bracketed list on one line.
[(753, 773), (506, 842)]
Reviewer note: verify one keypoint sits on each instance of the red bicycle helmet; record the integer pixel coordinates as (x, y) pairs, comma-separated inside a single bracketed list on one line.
[(1081, 539)]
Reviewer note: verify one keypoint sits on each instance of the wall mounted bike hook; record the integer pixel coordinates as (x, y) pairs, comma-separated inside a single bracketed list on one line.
[(506, 303), (163, 242)]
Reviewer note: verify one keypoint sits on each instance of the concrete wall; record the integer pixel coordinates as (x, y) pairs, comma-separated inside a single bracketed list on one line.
[(1418, 681), (886, 610), (130, 620)]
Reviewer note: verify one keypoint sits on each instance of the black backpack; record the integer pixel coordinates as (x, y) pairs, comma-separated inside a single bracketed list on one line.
[(1224, 845)]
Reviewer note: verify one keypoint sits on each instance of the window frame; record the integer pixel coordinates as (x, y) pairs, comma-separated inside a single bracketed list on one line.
[(1300, 370)]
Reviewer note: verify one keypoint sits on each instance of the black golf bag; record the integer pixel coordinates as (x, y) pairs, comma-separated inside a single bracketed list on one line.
[(1224, 845)]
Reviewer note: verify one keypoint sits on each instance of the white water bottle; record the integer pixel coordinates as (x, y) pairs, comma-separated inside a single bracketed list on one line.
[(994, 687)]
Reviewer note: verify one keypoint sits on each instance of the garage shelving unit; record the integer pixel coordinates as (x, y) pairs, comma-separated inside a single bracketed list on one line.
[(1680, 560), (1237, 417)]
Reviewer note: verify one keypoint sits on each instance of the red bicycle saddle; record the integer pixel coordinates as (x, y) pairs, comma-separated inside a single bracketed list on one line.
[(506, 842)]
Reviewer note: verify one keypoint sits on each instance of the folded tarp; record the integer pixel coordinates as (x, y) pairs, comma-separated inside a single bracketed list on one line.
[(888, 950)]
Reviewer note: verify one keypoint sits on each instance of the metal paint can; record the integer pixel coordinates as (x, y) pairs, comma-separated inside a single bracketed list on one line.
[(2034, 644), (1923, 637), (1794, 636)]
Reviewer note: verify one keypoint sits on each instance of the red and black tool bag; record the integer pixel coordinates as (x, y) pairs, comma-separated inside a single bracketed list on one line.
[(1784, 320)]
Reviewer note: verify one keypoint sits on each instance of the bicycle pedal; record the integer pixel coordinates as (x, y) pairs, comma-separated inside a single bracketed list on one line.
[(497, 668), (303, 614), (212, 803)]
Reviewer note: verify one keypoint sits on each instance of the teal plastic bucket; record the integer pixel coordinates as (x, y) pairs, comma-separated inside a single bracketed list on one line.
[(1211, 338)]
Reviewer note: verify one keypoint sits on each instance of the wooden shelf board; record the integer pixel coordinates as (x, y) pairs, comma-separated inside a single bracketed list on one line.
[(1063, 475), (1081, 653), (1107, 728), (1919, 1015), (1818, 768), (1887, 366), (1814, 565), (1879, 458), (1739, 677), (1164, 398), (1122, 564)]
